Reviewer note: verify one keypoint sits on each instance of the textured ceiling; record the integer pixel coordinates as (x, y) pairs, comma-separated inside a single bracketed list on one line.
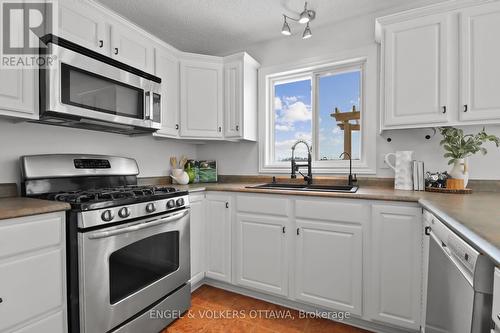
[(220, 26)]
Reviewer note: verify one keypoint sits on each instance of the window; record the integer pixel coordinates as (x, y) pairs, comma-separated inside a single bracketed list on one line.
[(325, 106), (322, 108)]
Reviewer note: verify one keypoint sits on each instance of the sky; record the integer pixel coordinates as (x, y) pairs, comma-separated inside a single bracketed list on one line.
[(293, 114)]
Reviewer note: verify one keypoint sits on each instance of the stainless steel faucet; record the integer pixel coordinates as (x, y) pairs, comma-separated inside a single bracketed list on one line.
[(297, 166), (352, 177)]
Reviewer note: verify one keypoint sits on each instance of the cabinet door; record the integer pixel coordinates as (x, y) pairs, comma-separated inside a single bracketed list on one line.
[(132, 47), (415, 58), (496, 297), (480, 65), (328, 266), (201, 99), (197, 230), (19, 93), (167, 68), (219, 237), (261, 253), (233, 101), (81, 24), (396, 265)]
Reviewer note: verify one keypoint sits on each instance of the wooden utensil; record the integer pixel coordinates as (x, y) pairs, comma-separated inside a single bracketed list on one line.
[(173, 162)]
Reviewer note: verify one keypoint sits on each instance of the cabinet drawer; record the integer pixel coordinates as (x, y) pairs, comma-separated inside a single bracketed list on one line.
[(30, 287), (53, 324), (496, 298), (332, 210), (262, 204), (30, 234)]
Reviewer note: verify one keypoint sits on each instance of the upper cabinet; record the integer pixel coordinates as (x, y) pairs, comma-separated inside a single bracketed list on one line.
[(131, 47), (167, 68), (84, 25), (19, 93), (415, 75), (439, 66), (90, 27), (201, 84), (480, 65), (240, 97)]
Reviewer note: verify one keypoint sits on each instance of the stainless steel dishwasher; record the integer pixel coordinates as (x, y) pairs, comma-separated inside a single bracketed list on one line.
[(459, 283)]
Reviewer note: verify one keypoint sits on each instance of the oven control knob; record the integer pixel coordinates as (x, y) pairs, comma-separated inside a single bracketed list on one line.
[(124, 212), (170, 204), (150, 208), (107, 215), (180, 202)]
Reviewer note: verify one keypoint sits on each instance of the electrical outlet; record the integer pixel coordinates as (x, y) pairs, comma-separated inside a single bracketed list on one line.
[(382, 164)]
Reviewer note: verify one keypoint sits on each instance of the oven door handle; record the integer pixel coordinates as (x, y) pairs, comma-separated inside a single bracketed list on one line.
[(136, 227)]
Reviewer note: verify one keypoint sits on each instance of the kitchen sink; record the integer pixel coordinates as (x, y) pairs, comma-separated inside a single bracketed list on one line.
[(307, 188)]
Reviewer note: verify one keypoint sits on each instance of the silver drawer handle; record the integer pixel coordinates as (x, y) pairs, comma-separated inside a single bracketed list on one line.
[(136, 227)]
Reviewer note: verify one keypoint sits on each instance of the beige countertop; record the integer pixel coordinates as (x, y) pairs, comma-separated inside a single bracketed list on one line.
[(20, 206), (476, 217)]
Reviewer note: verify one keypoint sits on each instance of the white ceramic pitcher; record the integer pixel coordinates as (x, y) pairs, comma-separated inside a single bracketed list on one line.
[(403, 180)]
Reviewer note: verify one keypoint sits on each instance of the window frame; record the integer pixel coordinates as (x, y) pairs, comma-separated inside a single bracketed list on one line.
[(364, 60)]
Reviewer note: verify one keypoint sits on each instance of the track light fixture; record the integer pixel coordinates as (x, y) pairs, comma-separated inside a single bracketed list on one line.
[(305, 17)]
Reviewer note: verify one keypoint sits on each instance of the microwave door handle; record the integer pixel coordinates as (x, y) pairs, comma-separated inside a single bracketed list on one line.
[(148, 103), (136, 227)]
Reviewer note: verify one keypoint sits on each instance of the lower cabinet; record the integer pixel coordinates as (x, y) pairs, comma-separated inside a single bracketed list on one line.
[(328, 265), (218, 234), (396, 258), (261, 254), (33, 274), (197, 241), (358, 256)]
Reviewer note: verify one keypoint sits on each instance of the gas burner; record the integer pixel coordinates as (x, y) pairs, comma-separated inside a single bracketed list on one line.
[(106, 197)]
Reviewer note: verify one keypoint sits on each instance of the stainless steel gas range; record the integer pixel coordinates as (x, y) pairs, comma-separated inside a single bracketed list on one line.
[(128, 256)]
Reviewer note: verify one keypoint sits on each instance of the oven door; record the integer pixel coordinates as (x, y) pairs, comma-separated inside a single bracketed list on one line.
[(125, 269), (81, 87)]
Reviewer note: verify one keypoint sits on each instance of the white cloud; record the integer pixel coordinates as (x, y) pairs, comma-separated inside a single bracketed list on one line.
[(277, 103), (284, 128), (296, 112), (291, 99)]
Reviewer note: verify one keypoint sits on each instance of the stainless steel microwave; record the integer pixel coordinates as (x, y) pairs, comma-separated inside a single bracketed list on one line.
[(86, 89)]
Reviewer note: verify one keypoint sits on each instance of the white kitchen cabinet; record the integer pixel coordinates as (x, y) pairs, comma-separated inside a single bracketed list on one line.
[(33, 274), (261, 253), (19, 93), (395, 279), (496, 299), (480, 65), (201, 97), (415, 56), (328, 265), (167, 68), (218, 233), (240, 97), (89, 25), (197, 231), (131, 47), (84, 25)]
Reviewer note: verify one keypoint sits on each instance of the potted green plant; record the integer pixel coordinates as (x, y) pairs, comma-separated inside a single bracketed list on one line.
[(459, 146)]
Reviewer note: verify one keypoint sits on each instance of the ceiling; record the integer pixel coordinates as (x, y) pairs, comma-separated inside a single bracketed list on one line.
[(221, 26)]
